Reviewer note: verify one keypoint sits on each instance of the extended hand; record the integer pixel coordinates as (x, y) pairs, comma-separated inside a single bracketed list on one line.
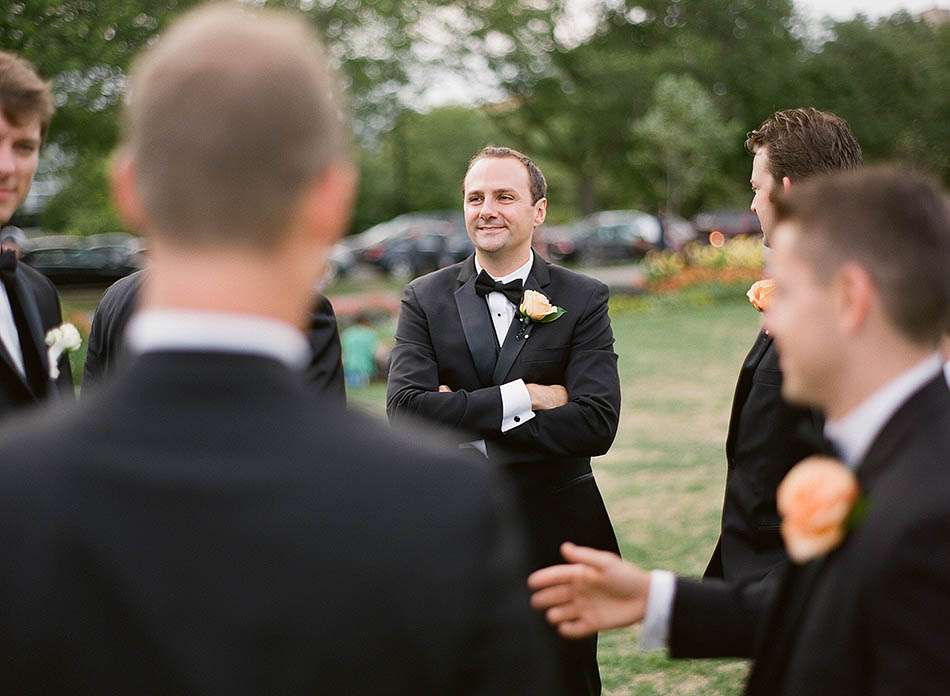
[(599, 591), (545, 397), (444, 389)]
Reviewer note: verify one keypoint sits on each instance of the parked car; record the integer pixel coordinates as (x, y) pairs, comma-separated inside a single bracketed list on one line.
[(677, 231), (715, 227), (95, 260), (426, 247), (558, 243), (618, 234), (367, 246)]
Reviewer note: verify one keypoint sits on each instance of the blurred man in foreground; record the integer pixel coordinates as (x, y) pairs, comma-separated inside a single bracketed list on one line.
[(204, 523), (862, 263)]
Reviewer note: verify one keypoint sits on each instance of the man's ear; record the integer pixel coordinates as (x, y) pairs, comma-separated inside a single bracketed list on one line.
[(540, 212), (786, 184), (854, 296), (328, 203), (123, 184)]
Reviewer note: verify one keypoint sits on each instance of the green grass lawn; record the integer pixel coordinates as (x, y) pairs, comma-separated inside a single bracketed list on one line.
[(663, 479)]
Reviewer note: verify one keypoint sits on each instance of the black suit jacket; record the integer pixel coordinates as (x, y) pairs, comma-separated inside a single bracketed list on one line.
[(445, 336), (767, 437), (35, 305), (106, 346), (189, 530), (869, 618)]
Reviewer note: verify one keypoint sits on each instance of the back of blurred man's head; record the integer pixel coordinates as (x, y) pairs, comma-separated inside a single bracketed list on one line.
[(893, 223), (232, 115)]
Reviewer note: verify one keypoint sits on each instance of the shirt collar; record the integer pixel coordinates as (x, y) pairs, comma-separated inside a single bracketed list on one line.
[(178, 330), (854, 433), (520, 273)]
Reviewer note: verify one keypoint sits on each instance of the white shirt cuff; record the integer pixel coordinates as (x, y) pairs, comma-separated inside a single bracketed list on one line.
[(656, 622), (515, 405)]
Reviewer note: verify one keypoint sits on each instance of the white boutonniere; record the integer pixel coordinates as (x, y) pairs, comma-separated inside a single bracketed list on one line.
[(64, 338), (536, 308)]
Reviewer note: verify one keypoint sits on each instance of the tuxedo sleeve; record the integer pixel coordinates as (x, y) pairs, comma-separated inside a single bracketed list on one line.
[(719, 619), (413, 387), (908, 612), (325, 373), (586, 426)]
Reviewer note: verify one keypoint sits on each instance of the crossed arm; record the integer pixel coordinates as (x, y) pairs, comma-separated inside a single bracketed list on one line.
[(578, 418)]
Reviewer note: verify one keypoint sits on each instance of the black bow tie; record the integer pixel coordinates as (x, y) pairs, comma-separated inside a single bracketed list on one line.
[(8, 262), (485, 284)]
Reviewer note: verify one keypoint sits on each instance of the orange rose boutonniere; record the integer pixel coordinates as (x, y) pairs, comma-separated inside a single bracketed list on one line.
[(760, 293), (819, 502)]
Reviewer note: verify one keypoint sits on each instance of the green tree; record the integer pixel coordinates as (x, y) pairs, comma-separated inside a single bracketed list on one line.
[(682, 142)]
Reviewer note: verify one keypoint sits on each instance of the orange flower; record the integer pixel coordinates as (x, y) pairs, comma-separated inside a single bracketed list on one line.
[(815, 499), (760, 292)]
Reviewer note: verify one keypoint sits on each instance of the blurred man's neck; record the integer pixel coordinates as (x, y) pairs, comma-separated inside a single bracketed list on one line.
[(225, 282), (866, 372)]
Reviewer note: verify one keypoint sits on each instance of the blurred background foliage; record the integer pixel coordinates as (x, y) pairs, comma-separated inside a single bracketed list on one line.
[(624, 103)]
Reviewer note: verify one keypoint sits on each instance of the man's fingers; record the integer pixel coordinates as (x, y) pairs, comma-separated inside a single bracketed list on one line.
[(588, 556), (552, 575), (558, 615), (443, 388), (551, 597), (578, 628)]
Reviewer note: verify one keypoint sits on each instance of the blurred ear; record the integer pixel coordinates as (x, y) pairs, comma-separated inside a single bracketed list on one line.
[(854, 296), (125, 195), (328, 203), (540, 211), (786, 184)]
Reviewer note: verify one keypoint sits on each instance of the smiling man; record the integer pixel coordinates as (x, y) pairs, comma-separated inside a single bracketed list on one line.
[(537, 395), (29, 304)]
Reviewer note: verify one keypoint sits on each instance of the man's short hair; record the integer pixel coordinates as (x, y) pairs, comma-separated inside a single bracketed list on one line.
[(537, 184), (892, 222), (23, 94), (804, 142), (230, 116)]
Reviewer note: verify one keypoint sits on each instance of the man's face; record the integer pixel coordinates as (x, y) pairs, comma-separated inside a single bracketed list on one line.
[(762, 185), (19, 155), (499, 214), (801, 319)]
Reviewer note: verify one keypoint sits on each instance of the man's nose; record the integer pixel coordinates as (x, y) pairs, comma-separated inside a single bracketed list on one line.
[(488, 209), (7, 160)]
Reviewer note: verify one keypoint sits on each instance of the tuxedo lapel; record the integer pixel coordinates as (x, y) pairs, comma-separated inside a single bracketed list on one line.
[(32, 314), (744, 385), (514, 340), (476, 324)]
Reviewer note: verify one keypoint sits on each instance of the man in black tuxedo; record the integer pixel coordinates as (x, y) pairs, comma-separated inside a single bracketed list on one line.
[(767, 435), (106, 345), (204, 523), (858, 315), (29, 304), (538, 399)]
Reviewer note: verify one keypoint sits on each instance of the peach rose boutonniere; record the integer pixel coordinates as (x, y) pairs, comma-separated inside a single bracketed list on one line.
[(536, 308), (819, 502), (761, 293)]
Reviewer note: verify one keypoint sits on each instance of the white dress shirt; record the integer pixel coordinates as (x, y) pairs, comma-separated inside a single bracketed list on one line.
[(853, 434), (180, 330), (515, 399), (8, 332)]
